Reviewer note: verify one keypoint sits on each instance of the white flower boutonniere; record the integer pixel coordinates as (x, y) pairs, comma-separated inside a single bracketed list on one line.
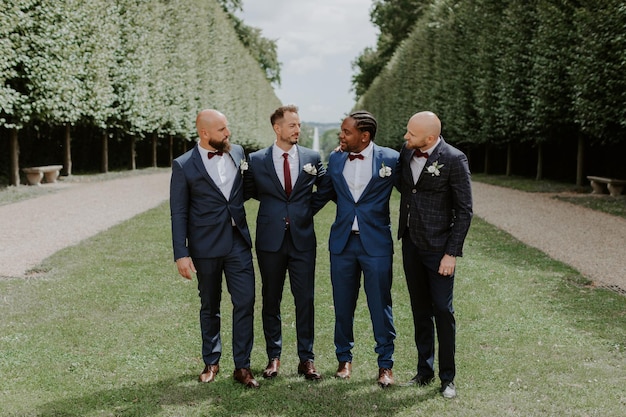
[(384, 171), (243, 166), (310, 169), (434, 169)]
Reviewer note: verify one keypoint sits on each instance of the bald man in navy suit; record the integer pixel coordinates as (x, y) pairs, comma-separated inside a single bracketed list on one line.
[(210, 237)]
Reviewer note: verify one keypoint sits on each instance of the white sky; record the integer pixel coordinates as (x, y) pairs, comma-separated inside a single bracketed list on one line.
[(317, 42)]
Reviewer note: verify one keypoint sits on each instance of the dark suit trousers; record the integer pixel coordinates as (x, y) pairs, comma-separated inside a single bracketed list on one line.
[(239, 272), (345, 273), (431, 297), (273, 267)]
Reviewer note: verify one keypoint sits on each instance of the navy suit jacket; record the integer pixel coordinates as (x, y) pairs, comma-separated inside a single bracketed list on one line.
[(201, 215), (438, 207), (372, 208), (262, 183)]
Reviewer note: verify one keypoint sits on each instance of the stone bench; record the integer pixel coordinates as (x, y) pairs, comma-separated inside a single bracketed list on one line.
[(35, 174), (614, 186)]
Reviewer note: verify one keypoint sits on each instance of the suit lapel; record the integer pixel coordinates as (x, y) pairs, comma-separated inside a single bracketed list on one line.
[(434, 156), (268, 161), (197, 161)]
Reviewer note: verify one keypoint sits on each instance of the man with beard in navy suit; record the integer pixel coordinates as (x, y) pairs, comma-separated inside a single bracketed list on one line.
[(210, 236), (282, 177)]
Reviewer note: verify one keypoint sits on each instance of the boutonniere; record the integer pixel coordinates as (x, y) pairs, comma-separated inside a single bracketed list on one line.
[(384, 171), (310, 169), (434, 168), (243, 166)]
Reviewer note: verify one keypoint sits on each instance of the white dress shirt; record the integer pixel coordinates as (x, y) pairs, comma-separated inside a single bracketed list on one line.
[(294, 163), (358, 174), (221, 169)]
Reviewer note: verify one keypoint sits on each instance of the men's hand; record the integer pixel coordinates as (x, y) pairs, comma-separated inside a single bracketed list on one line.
[(447, 265), (185, 267)]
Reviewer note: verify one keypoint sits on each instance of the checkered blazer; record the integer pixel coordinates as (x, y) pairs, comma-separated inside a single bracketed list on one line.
[(437, 208)]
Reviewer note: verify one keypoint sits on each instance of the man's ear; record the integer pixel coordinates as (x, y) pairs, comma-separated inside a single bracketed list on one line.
[(276, 128)]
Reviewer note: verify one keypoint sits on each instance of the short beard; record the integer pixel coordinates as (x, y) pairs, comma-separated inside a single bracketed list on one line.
[(220, 145)]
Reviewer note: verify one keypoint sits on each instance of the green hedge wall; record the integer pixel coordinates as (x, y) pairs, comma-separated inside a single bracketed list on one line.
[(127, 69), (514, 75)]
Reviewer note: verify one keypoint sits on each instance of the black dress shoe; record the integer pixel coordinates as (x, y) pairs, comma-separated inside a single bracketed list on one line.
[(244, 376), (272, 368), (307, 368), (208, 375), (421, 380)]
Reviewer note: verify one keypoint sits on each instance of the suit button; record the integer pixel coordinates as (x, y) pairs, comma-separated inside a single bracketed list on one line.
[(413, 190)]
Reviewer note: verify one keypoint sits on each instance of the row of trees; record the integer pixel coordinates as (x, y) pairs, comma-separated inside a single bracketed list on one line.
[(124, 69), (512, 74)]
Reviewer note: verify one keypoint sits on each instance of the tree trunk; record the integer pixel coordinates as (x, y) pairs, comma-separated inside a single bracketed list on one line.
[(14, 145), (509, 159), (67, 151), (155, 140), (104, 163), (133, 154), (539, 162), (171, 149), (487, 161), (580, 161)]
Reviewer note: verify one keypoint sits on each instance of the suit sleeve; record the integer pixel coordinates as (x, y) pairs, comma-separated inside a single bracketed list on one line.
[(460, 182), (179, 210)]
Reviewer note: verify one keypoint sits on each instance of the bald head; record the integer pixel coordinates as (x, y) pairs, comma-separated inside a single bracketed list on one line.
[(212, 127), (423, 130)]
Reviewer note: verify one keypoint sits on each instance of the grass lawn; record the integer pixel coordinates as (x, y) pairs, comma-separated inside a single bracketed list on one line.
[(108, 328)]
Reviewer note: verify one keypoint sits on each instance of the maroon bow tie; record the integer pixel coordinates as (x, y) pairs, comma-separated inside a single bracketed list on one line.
[(420, 154), (354, 156), (212, 154)]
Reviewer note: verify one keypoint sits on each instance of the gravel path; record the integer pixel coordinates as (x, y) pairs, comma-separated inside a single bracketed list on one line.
[(33, 229), (592, 242)]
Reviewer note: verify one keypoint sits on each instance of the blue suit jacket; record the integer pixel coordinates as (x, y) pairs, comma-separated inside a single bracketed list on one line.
[(438, 207), (262, 183), (201, 215), (372, 209)]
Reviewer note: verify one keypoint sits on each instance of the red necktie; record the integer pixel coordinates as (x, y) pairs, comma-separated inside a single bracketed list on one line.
[(287, 172), (212, 154), (420, 154), (354, 156)]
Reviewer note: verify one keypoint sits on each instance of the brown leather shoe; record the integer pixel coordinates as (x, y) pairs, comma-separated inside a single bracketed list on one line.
[(307, 368), (272, 368), (344, 370), (244, 376), (208, 375), (385, 377)]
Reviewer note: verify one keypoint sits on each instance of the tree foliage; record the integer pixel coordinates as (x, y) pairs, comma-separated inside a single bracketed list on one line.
[(394, 19)]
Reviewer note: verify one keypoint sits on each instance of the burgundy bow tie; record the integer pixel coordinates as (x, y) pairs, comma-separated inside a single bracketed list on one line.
[(212, 154), (354, 156), (420, 154)]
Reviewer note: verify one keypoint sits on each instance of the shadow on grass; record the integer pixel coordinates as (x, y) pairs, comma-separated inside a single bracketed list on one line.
[(282, 396)]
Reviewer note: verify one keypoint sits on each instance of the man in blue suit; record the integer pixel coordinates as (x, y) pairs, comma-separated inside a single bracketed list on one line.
[(363, 176), (435, 216), (210, 236), (282, 177)]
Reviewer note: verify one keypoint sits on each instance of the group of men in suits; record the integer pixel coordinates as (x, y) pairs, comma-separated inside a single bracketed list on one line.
[(210, 237)]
